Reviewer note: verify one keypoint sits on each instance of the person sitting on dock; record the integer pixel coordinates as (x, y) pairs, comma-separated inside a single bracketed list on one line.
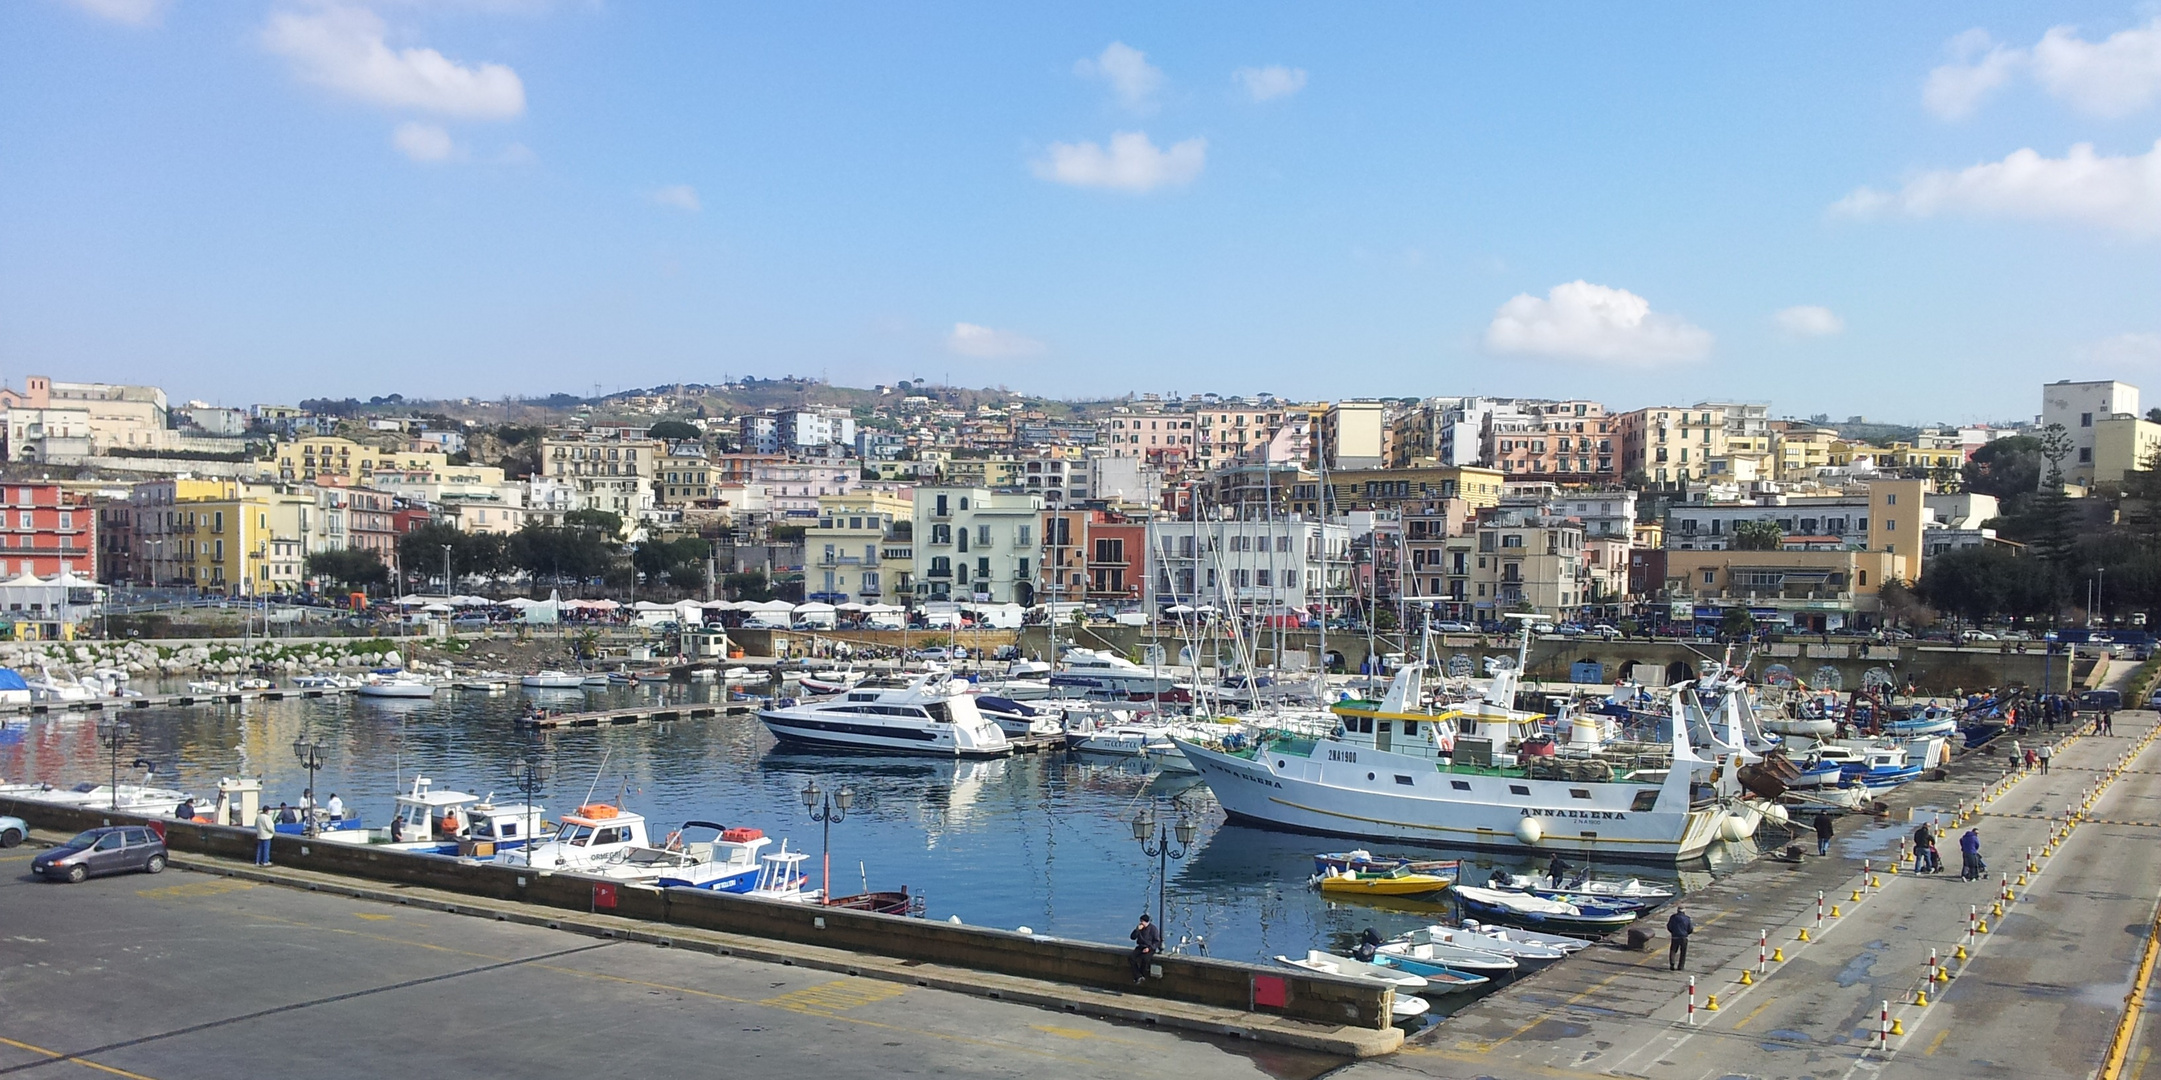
[(1147, 942)]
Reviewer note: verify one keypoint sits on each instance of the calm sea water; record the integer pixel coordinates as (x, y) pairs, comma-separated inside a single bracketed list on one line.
[(1043, 841)]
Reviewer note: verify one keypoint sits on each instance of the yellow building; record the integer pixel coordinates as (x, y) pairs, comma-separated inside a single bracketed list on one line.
[(1925, 459), (1896, 509), (2123, 443), (1799, 450), (1378, 489), (249, 544), (1810, 591), (1670, 445), (861, 550)]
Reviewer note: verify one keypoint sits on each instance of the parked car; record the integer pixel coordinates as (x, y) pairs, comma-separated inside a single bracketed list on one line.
[(13, 830), (2101, 699), (938, 653), (1605, 631), (1455, 628), (110, 850), (1981, 635)]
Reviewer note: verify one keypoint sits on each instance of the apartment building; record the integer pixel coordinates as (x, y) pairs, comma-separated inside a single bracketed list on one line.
[(1604, 512), (1670, 445), (859, 550), (1392, 489), (2080, 407), (1807, 591), (45, 530), (1248, 565), (1570, 442), (684, 475), (1146, 434), (49, 419), (606, 473), (1227, 433), (1354, 434), (972, 543), (814, 426)]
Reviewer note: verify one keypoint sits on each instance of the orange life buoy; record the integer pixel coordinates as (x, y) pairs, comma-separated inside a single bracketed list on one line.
[(598, 811)]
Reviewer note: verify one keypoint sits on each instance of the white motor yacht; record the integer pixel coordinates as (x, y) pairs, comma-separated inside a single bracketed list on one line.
[(1106, 674), (397, 686), (552, 680), (928, 715)]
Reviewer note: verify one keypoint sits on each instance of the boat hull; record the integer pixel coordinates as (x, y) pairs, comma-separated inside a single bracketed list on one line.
[(924, 740), (1326, 799)]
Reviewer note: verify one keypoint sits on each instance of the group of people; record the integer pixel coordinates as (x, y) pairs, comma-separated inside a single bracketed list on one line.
[(1926, 859)]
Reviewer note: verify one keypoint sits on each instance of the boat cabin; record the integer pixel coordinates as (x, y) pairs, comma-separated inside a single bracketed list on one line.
[(591, 834), (506, 825), (424, 815)]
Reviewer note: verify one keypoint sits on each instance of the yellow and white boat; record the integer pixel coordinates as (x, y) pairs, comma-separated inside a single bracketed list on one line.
[(1398, 882)]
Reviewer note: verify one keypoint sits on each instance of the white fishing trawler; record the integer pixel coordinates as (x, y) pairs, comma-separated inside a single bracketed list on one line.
[(1396, 772)]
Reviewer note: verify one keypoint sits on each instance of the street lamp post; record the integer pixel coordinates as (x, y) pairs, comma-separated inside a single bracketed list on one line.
[(112, 732), (827, 807), (447, 591), (1155, 839), (310, 756), (529, 775)]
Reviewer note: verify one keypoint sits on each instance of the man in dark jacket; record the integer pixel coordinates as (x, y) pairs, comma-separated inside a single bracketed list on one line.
[(1823, 832), (1678, 927), (1147, 942)]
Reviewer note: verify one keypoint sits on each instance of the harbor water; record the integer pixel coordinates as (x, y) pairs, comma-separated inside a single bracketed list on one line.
[(1043, 841)]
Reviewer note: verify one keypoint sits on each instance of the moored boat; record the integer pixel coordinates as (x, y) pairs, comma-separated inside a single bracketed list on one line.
[(1503, 904), (929, 715), (1397, 882)]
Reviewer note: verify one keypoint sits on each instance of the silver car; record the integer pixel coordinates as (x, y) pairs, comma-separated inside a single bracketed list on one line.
[(111, 850)]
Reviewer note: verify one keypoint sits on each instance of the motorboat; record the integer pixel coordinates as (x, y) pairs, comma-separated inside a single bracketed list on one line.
[(589, 837), (1331, 964), (397, 686), (432, 821), (700, 855), (1400, 881), (930, 714), (324, 681), (1116, 734), (1366, 862), (198, 686), (1438, 975), (601, 678), (1631, 889), (738, 675), (482, 682), (552, 680), (1106, 674), (1522, 951), (1538, 910), (1019, 719), (1014, 689), (137, 798), (1503, 936), (1883, 767), (832, 682), (1420, 945)]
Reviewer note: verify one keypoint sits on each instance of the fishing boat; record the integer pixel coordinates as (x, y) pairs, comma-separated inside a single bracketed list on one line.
[(737, 675), (1521, 951), (929, 715), (442, 821), (552, 680), (1397, 882), (1386, 776), (199, 686), (587, 838), (1331, 964), (1439, 976), (1883, 767), (1537, 910), (884, 903), (700, 855)]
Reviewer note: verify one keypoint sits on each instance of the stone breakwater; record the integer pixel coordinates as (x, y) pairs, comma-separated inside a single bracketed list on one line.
[(214, 657)]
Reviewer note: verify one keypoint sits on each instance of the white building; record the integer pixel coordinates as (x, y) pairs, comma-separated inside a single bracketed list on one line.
[(1122, 480), (759, 432), (815, 425), (2078, 406), (972, 543), (1254, 565)]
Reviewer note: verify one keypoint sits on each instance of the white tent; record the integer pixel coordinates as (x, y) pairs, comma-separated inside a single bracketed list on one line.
[(768, 605), (720, 605), (471, 601), (519, 602)]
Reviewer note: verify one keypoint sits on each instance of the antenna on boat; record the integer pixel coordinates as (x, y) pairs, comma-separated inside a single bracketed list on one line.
[(596, 777)]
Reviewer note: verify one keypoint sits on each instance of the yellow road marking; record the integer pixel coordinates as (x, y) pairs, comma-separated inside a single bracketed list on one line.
[(1743, 1022), (19, 858), (210, 887), (1936, 1042), (1063, 1032), (838, 996), (372, 917), (84, 1062)]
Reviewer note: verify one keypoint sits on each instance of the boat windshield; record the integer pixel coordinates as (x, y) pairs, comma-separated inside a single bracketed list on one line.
[(578, 835)]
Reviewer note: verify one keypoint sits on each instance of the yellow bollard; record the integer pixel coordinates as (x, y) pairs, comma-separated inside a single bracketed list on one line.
[(1711, 1005), (1778, 954), (1875, 883), (1893, 869), (2022, 881), (1980, 928), (1960, 953), (1997, 910), (1938, 974), (1855, 898), (1804, 934), (1747, 979), (1834, 911), (1898, 1026), (1920, 999)]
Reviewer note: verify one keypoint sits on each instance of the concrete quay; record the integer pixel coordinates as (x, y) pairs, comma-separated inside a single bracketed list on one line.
[(197, 976), (2040, 993)]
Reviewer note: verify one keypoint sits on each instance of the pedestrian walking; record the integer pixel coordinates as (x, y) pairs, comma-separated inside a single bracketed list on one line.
[(2108, 721), (1823, 832), (1924, 841), (1147, 942), (2046, 753), (265, 828), (1969, 851), (2032, 758), (1678, 927)]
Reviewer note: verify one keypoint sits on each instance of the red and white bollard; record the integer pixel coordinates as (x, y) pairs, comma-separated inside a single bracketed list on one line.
[(1691, 999), (1883, 1029), (1932, 967), (1973, 920), (1819, 911), (1763, 950)]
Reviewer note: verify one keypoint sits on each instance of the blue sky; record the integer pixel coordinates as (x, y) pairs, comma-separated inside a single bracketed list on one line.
[(1833, 209)]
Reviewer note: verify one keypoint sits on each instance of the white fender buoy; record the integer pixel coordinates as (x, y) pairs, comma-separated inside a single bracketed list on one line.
[(1531, 830), (1776, 814), (1733, 828)]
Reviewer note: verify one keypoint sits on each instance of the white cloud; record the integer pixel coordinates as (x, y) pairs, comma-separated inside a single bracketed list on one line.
[(343, 48), (2113, 77), (1127, 71), (1132, 163), (1271, 82), (126, 12), (1579, 320), (984, 343), (423, 142), (1809, 320), (679, 196), (1978, 68), (2121, 194), (2128, 349)]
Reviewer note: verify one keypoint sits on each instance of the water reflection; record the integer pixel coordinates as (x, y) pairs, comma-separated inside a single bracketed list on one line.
[(1043, 841)]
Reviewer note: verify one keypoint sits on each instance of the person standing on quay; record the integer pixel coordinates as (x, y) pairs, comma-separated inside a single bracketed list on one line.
[(1678, 927), (1147, 942), (2047, 752), (265, 828), (1969, 853), (1823, 832)]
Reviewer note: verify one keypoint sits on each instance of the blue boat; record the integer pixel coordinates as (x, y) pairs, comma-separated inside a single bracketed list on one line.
[(1440, 978)]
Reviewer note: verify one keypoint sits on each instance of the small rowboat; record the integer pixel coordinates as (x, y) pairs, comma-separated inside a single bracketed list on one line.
[(1398, 882), (1518, 949), (1439, 977), (1468, 958), (1537, 910), (1502, 937), (1362, 861), (1405, 1005)]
